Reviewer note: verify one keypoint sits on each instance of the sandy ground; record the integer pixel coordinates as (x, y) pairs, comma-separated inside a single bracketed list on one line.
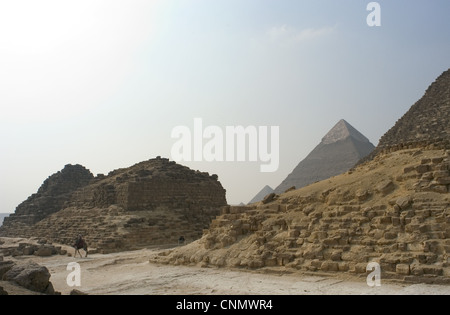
[(131, 273)]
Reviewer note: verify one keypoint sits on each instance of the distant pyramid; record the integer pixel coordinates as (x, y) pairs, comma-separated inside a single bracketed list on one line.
[(425, 123), (341, 148), (260, 196)]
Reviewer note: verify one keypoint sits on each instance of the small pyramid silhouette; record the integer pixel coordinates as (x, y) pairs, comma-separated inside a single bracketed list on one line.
[(260, 196), (341, 148)]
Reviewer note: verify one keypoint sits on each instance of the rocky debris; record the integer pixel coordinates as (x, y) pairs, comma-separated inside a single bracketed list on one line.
[(3, 292), (385, 187), (404, 203), (44, 251), (432, 174), (28, 249), (290, 189), (31, 276), (150, 203), (338, 225), (5, 266), (262, 193), (269, 198)]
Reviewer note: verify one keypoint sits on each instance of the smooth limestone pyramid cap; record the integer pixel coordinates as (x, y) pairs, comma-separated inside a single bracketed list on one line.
[(341, 131)]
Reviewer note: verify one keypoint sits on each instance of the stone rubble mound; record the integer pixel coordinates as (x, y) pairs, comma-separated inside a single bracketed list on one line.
[(150, 203), (399, 218)]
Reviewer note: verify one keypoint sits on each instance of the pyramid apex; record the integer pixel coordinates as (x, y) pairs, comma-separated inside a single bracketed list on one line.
[(341, 131)]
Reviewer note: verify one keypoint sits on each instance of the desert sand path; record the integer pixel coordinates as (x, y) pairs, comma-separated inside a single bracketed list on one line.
[(132, 273)]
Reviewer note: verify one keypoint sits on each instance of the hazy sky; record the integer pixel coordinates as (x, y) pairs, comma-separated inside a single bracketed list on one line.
[(103, 83)]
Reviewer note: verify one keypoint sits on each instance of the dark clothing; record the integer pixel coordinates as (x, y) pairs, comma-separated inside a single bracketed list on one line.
[(79, 243)]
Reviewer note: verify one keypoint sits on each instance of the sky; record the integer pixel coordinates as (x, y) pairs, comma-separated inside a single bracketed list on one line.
[(103, 83)]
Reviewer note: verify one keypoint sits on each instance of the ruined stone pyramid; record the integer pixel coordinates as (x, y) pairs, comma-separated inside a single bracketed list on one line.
[(341, 148), (150, 203), (53, 193), (263, 192)]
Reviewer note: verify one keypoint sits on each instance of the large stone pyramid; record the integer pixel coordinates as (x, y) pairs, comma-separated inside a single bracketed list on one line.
[(426, 123), (341, 148)]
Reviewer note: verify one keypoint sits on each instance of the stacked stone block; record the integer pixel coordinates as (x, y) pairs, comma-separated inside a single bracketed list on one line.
[(406, 229)]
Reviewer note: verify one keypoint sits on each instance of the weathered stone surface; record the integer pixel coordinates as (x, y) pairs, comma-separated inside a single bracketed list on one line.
[(329, 266), (385, 187), (363, 195), (416, 270), (443, 189), (402, 269), (404, 202), (44, 251), (32, 249), (30, 276), (5, 266), (269, 198), (29, 250), (360, 268), (443, 180), (423, 168)]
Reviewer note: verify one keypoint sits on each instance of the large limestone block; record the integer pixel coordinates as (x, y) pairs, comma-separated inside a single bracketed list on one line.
[(385, 187), (31, 276)]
